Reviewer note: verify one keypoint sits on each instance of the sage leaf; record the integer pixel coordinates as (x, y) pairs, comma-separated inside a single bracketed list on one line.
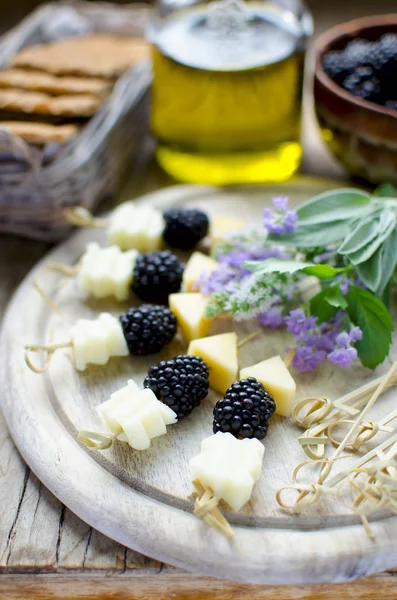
[(370, 271), (313, 236), (371, 315), (363, 233), (387, 223), (276, 265), (388, 262), (333, 205)]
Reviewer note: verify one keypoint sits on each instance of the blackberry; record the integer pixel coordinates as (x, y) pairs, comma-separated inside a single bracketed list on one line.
[(157, 275), (181, 383), (245, 410), (363, 84), (184, 228), (148, 329), (338, 65)]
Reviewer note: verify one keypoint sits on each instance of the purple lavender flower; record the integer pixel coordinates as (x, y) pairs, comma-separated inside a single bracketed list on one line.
[(343, 339), (272, 318), (307, 358), (345, 286), (282, 219), (298, 322), (209, 283), (355, 334), (343, 357)]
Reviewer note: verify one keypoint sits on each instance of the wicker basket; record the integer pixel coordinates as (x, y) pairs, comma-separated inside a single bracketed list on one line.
[(93, 165)]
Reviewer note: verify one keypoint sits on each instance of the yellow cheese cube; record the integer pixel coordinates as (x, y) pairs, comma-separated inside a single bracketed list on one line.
[(276, 378), (189, 310), (222, 225), (197, 264), (220, 354)]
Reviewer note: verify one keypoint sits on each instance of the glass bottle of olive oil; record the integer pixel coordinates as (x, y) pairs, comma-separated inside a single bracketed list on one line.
[(226, 94)]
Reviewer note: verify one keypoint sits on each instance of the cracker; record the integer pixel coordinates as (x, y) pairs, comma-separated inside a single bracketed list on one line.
[(37, 81), (40, 133), (83, 105), (97, 55)]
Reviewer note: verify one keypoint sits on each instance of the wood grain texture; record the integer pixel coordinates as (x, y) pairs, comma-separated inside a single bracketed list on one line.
[(141, 498)]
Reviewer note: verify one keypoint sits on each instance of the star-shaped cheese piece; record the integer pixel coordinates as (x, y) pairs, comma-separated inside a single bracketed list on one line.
[(135, 416), (220, 354), (197, 265), (230, 467), (190, 310), (136, 227), (94, 342), (276, 378), (106, 271)]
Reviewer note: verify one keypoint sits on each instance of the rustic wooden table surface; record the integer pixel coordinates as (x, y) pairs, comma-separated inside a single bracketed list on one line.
[(45, 550)]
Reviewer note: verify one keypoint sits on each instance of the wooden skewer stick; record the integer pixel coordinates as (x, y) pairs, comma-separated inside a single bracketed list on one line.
[(206, 507), (81, 217), (48, 350)]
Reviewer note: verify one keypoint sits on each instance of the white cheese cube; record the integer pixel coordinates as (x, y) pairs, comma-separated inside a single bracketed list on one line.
[(136, 417), (119, 401), (197, 265), (106, 271), (135, 432), (138, 227), (94, 342), (230, 467), (276, 378)]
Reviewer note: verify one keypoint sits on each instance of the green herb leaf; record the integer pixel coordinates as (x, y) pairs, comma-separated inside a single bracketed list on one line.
[(326, 303), (363, 233), (388, 262), (333, 205), (385, 190), (276, 265), (370, 271), (387, 221), (311, 236), (373, 318)]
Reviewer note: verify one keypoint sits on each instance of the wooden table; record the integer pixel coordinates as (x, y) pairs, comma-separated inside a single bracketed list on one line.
[(46, 551)]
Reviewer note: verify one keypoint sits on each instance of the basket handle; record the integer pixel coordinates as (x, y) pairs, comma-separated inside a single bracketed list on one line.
[(17, 147)]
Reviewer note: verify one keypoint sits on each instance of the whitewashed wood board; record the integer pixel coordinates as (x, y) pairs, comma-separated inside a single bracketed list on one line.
[(141, 499)]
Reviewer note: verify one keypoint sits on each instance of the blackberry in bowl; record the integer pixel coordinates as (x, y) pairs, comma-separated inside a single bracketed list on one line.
[(355, 92)]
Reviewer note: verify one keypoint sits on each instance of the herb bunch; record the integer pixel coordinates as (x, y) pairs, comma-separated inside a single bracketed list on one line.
[(344, 242)]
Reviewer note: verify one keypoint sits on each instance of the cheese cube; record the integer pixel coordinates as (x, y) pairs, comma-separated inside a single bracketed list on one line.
[(106, 271), (94, 342), (138, 227), (220, 354), (189, 310), (135, 416), (276, 378), (197, 265), (221, 226), (230, 467), (119, 400)]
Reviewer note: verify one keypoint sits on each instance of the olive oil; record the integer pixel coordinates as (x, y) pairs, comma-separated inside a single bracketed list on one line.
[(226, 100)]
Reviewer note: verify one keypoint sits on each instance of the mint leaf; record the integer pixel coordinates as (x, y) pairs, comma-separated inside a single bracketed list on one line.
[(333, 205), (374, 320), (326, 303), (276, 265)]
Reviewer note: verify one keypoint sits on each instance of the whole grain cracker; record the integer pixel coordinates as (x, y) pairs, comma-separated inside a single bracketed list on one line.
[(82, 105), (40, 133), (97, 55), (37, 81)]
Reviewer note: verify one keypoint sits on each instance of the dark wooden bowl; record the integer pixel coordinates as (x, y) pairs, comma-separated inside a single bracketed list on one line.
[(361, 134)]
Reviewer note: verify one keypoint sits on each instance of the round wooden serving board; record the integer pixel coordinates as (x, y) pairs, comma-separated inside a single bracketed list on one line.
[(141, 499)]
